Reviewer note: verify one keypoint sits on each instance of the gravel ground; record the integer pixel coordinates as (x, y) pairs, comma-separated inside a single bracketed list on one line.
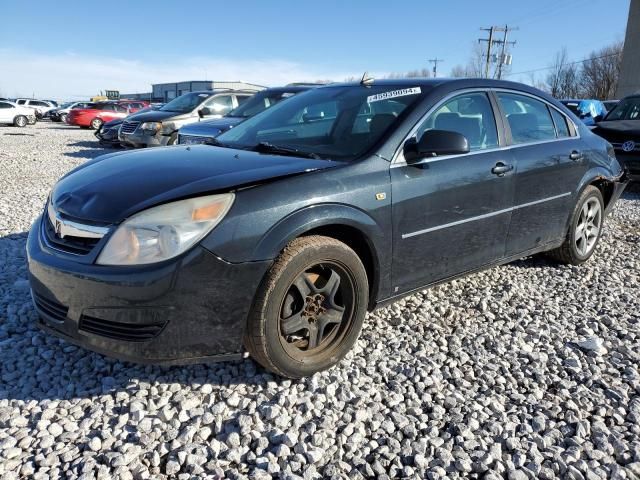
[(524, 371)]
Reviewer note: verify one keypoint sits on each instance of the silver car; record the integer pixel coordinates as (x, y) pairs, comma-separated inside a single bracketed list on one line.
[(160, 127)]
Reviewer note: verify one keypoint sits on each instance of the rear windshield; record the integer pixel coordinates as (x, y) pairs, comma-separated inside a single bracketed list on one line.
[(338, 122)]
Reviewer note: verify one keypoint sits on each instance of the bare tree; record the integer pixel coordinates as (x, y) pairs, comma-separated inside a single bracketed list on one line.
[(599, 75), (564, 79), (474, 67), (425, 73)]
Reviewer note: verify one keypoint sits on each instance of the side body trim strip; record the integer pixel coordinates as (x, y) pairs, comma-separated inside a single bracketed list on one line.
[(486, 215)]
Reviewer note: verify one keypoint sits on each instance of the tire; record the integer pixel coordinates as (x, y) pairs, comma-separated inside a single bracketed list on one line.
[(20, 121), (63, 118), (587, 218), (95, 124), (309, 309)]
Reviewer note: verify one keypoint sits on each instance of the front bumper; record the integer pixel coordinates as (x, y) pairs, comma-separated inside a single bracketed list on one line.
[(108, 136), (140, 138), (631, 162), (186, 310)]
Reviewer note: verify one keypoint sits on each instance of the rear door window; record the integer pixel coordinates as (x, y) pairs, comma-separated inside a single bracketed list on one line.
[(220, 105), (529, 119)]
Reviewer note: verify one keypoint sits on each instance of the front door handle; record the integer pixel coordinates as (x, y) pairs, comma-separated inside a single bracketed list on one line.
[(575, 155), (501, 168)]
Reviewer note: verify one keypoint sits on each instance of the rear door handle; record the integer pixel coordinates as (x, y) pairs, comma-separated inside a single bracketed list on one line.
[(575, 155), (501, 168)]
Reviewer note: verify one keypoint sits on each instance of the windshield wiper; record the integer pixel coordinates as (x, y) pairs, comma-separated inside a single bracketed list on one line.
[(214, 142), (266, 147)]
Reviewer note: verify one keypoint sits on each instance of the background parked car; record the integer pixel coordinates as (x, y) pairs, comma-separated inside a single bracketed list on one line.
[(589, 111), (199, 132), (95, 114), (621, 127), (107, 135), (16, 114), (60, 114), (160, 127), (41, 107)]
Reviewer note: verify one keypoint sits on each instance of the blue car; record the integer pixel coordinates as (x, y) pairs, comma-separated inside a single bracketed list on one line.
[(589, 111), (199, 132)]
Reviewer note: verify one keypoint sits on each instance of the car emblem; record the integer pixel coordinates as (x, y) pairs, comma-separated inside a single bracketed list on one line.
[(628, 146)]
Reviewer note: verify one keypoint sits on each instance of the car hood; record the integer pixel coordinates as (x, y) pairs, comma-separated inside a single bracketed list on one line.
[(111, 188), (155, 116), (211, 127), (114, 123), (620, 126)]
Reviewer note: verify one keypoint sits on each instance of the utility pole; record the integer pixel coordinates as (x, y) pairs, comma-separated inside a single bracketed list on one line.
[(502, 60), (489, 45), (435, 65)]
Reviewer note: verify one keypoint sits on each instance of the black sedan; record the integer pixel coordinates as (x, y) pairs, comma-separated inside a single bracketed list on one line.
[(621, 127), (107, 134), (306, 216)]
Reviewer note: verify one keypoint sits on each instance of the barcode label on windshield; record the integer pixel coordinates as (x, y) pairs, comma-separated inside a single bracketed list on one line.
[(393, 94)]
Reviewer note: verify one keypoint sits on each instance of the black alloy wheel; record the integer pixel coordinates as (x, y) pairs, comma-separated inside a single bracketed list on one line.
[(309, 309)]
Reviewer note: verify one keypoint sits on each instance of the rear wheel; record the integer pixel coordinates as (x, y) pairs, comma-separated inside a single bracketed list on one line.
[(20, 121), (309, 309), (63, 118), (585, 228), (96, 123)]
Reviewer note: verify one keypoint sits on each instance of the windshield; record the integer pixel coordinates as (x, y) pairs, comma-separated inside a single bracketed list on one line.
[(340, 122), (185, 103), (627, 109), (259, 102)]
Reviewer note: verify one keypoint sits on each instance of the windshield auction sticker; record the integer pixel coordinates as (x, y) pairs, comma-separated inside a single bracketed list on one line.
[(393, 94)]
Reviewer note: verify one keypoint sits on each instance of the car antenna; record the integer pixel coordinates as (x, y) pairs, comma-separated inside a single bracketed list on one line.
[(366, 80)]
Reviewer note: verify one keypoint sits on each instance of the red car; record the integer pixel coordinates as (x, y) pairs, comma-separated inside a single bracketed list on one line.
[(95, 114)]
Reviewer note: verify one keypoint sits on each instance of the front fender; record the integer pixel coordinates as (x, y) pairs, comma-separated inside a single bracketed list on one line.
[(330, 215)]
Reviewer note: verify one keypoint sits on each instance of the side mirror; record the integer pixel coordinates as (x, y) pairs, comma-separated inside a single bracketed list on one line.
[(204, 111), (434, 143)]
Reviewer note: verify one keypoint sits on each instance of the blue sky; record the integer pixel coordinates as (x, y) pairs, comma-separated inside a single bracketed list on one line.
[(79, 48)]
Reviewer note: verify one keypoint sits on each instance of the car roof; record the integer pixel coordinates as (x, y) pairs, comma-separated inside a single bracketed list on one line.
[(292, 88)]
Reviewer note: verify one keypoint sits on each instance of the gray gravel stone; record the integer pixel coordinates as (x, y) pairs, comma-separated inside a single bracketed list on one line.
[(529, 370)]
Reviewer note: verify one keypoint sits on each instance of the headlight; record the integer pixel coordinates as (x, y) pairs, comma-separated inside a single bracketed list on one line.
[(166, 231), (151, 126)]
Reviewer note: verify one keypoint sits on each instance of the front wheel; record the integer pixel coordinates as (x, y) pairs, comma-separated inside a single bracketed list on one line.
[(63, 118), (309, 310), (96, 123), (585, 228), (20, 121)]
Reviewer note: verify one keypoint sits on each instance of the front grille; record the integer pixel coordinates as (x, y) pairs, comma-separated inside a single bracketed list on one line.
[(130, 332), (618, 147), (75, 245), (50, 308), (129, 127), (192, 139)]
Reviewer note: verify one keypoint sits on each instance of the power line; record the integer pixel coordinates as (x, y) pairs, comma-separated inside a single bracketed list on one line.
[(568, 63)]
